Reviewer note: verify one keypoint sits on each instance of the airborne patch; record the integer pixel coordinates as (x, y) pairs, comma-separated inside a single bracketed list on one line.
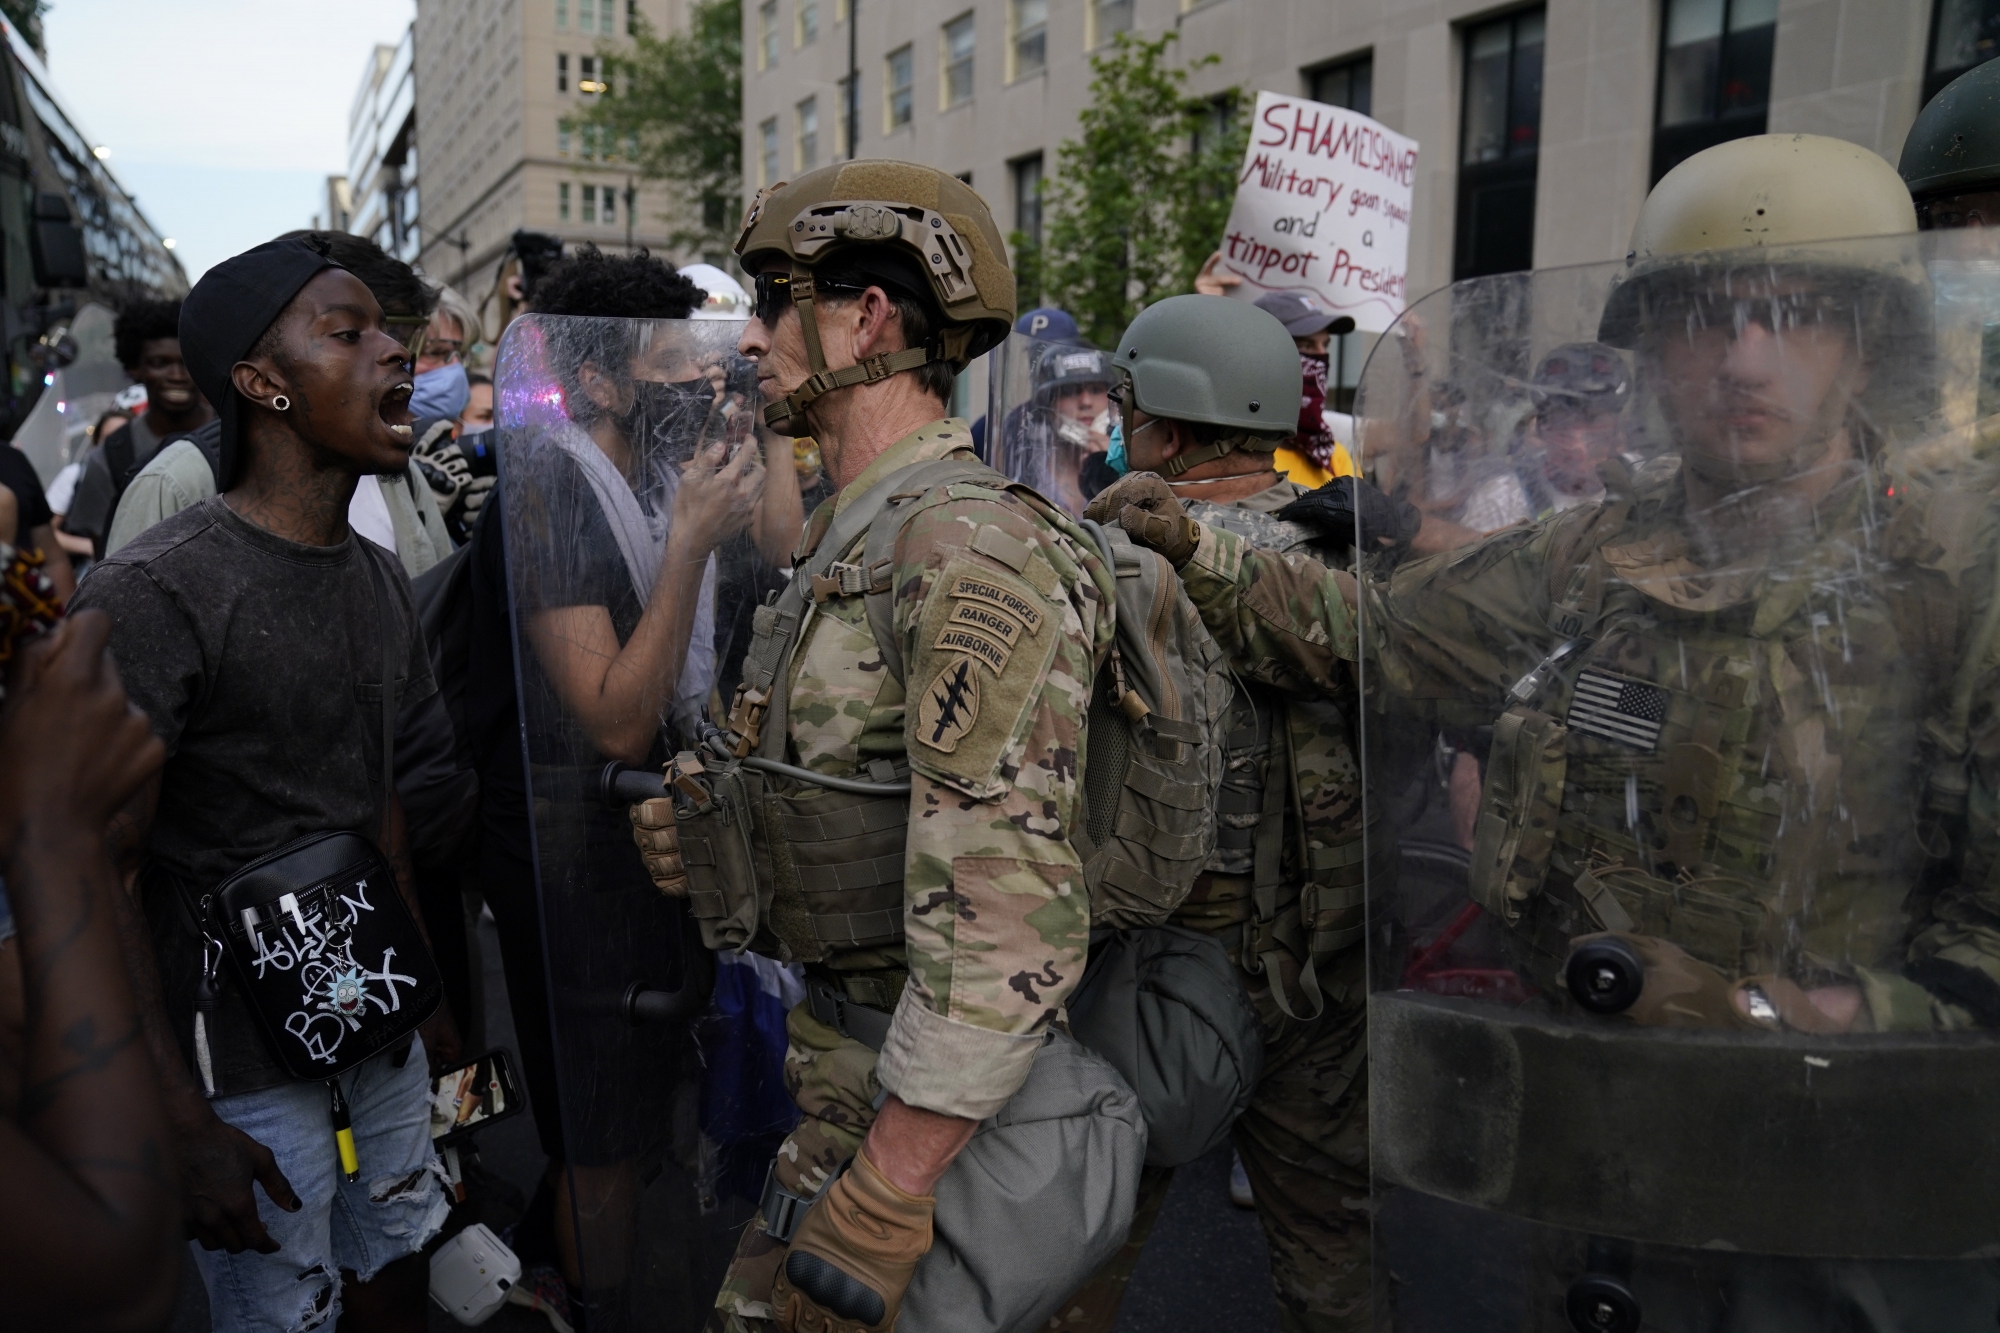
[(987, 620), (994, 655), (983, 590), (949, 707)]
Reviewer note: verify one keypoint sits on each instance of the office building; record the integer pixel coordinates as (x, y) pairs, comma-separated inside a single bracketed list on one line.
[(495, 80), (1541, 126), (381, 182)]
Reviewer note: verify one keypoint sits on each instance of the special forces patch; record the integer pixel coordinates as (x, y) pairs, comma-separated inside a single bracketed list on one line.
[(950, 706)]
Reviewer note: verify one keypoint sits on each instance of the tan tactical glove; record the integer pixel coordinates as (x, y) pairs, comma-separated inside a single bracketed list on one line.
[(853, 1255), (1145, 506), (659, 840), (1779, 1004)]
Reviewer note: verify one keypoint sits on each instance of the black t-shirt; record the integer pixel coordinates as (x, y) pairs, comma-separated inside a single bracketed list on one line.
[(259, 661), (17, 474)]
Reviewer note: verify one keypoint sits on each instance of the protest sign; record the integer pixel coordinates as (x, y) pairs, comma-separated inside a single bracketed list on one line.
[(1323, 208)]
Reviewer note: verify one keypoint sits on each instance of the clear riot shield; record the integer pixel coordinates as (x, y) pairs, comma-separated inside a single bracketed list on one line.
[(641, 527), (1049, 417), (1683, 1011)]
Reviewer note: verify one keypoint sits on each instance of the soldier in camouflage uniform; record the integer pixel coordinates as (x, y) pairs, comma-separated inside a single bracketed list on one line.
[(939, 954), (1743, 733), (1206, 384)]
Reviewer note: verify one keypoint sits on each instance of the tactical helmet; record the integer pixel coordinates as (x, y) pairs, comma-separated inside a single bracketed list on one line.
[(1955, 144), (913, 220), (1066, 366), (1215, 361), (1768, 193)]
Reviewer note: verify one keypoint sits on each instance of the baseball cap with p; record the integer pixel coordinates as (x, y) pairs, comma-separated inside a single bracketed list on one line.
[(225, 315), (1049, 324), (1303, 316)]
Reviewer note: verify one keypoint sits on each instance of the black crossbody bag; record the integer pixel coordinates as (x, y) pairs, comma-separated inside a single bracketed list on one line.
[(319, 938)]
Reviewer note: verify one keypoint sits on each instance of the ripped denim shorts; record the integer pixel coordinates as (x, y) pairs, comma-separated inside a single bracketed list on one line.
[(397, 1205)]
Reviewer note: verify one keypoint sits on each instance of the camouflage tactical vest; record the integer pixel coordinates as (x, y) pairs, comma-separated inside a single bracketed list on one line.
[(1731, 768)]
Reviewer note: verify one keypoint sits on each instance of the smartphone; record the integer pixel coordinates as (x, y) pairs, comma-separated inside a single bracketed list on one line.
[(472, 1096)]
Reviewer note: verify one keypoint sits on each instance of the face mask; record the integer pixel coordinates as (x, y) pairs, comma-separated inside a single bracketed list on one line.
[(1114, 458), (474, 428), (443, 392), (670, 416)]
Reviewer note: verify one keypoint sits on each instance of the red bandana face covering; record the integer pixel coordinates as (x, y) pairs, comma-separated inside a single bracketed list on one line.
[(1315, 441)]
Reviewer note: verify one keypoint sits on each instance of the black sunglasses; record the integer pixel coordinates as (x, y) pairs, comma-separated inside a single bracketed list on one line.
[(774, 294)]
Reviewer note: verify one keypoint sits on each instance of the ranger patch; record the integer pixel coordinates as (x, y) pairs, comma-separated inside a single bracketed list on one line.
[(950, 706), (981, 590), (994, 655), (987, 620)]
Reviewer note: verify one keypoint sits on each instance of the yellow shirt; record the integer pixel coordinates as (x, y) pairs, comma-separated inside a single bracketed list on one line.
[(1298, 468)]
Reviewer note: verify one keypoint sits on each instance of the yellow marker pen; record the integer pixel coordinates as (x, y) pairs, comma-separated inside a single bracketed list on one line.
[(343, 1134)]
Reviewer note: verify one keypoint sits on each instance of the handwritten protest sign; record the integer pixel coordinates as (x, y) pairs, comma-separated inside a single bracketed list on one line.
[(1323, 207)]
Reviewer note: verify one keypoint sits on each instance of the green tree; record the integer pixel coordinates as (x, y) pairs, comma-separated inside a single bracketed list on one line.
[(675, 107), (1140, 197), (27, 16)]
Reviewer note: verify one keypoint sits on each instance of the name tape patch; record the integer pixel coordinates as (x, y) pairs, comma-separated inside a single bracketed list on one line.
[(994, 655), (971, 587), (987, 619)]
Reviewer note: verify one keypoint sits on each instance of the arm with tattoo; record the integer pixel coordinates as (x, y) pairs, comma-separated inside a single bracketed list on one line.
[(85, 1161)]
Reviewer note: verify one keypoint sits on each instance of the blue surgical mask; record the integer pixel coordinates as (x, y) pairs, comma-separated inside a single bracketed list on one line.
[(1114, 457), (443, 392)]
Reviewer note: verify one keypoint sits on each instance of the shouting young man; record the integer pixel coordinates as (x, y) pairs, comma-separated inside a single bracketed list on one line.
[(249, 627)]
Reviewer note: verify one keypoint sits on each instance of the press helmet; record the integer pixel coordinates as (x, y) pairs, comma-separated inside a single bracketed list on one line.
[(911, 229), (1215, 361)]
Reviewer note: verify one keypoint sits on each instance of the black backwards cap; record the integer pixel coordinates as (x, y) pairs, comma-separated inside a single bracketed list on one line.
[(225, 315)]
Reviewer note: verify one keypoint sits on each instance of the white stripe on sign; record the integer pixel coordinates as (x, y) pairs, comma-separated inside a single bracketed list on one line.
[(1627, 711)]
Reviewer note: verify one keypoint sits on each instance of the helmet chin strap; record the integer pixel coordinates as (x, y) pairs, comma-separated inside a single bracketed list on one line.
[(788, 416), (1208, 453)]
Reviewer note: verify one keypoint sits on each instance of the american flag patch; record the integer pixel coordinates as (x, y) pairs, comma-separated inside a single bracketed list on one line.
[(1627, 711)]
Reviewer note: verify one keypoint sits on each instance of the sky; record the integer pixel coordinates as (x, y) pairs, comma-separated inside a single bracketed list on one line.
[(223, 117)]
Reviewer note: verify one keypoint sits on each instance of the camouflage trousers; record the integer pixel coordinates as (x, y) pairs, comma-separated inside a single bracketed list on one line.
[(1304, 1143), (832, 1079)]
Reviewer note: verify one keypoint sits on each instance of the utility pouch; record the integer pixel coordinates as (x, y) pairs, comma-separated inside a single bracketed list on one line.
[(726, 854), (843, 853), (1518, 807)]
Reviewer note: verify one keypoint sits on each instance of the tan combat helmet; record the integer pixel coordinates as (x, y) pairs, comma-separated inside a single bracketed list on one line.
[(1787, 203), (851, 214)]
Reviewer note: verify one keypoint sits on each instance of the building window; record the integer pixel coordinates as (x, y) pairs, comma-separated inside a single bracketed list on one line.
[(897, 88), (1030, 50), (610, 204), (956, 49), (849, 103), (806, 150), (590, 203), (607, 17), (1348, 83), (562, 13), (767, 137), (562, 140), (562, 72), (1964, 33), (586, 21), (1498, 144), (1108, 18), (1028, 197), (586, 76), (1715, 75), (562, 201), (808, 31), (767, 34)]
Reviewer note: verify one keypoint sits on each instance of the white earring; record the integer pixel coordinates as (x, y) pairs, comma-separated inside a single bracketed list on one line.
[(282, 403)]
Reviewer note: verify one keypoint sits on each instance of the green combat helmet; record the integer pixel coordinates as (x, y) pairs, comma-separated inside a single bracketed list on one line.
[(1216, 362), (887, 223), (1953, 152)]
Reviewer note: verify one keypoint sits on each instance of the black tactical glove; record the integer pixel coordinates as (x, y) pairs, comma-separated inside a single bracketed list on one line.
[(1144, 505), (1386, 524)]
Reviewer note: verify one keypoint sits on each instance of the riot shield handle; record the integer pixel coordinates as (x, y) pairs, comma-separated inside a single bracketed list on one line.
[(1605, 975), (642, 1005)]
